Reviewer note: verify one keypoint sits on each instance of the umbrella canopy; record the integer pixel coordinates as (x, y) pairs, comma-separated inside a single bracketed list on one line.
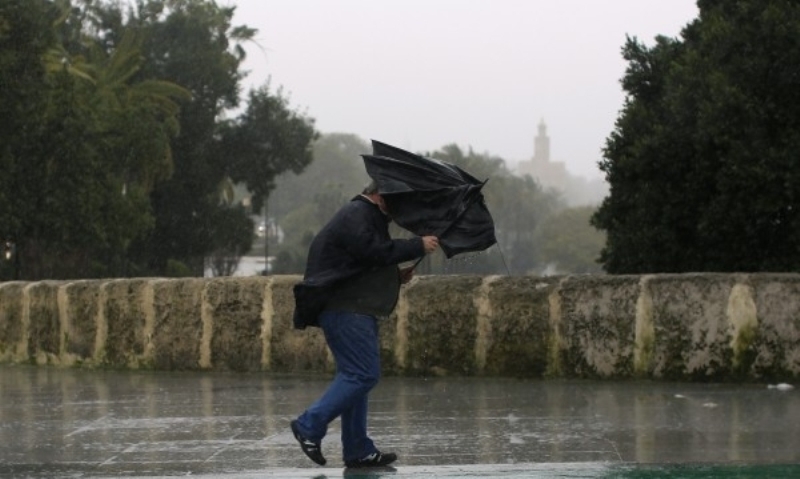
[(431, 197)]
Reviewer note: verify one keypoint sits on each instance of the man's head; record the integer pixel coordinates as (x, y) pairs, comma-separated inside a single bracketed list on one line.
[(371, 192)]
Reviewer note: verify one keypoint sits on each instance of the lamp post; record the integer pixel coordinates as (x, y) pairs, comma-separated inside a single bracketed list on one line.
[(266, 237)]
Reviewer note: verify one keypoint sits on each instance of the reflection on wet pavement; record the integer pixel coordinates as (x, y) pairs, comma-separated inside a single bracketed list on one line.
[(72, 422)]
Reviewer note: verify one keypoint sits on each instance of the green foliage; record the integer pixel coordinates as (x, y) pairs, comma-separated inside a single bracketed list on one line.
[(116, 159), (703, 160), (176, 269), (568, 242), (268, 139), (77, 174), (112, 148), (336, 174), (25, 35), (188, 43), (232, 231)]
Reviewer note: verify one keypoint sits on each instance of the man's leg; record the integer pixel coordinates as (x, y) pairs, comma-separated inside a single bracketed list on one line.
[(353, 340), (355, 442)]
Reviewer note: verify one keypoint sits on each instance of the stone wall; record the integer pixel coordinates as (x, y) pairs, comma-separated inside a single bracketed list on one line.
[(704, 327)]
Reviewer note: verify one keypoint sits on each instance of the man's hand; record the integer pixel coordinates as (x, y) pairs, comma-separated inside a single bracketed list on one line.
[(430, 243)]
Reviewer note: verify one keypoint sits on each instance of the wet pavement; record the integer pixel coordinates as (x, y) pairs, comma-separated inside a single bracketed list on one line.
[(94, 423)]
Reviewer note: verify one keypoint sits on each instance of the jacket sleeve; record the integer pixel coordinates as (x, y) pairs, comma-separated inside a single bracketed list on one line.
[(366, 238)]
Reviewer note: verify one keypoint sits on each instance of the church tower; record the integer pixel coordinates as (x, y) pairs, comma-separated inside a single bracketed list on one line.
[(541, 145), (552, 174)]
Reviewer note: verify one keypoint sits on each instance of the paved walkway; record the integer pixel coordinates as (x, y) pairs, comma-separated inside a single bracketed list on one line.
[(83, 423)]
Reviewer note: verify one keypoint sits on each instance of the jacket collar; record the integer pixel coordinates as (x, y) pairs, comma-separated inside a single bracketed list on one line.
[(365, 199)]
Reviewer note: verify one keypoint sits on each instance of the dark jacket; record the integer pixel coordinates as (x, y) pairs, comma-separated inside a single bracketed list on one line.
[(355, 241)]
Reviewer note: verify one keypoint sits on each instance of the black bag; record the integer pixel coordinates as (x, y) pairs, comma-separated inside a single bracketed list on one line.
[(309, 302)]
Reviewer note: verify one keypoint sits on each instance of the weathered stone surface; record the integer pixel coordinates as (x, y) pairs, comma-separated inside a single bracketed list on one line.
[(775, 344), (691, 325), (598, 324), (122, 337), (684, 327), (233, 307), (82, 310), (43, 327), (13, 329), (442, 325), (177, 328), (518, 332)]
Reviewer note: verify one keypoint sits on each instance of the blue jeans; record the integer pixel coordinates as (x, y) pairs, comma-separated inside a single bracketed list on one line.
[(353, 340)]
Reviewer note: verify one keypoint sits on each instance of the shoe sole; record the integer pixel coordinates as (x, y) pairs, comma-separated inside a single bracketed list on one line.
[(359, 471), (371, 466)]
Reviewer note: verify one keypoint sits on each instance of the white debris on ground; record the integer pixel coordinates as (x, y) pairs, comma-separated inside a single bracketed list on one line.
[(781, 387)]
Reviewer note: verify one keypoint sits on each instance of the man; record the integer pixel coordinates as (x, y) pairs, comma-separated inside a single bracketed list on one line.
[(352, 279)]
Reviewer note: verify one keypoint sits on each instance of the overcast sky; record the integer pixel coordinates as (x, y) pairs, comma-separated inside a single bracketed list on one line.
[(421, 74)]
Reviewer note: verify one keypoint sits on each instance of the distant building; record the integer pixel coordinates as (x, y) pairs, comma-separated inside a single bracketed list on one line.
[(577, 191)]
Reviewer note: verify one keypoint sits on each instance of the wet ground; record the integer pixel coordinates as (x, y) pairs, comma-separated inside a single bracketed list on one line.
[(84, 423)]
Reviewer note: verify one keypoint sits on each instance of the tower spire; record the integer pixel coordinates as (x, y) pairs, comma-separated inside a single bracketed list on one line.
[(541, 144)]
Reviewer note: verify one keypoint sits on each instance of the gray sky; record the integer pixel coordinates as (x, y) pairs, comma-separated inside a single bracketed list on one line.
[(421, 74)]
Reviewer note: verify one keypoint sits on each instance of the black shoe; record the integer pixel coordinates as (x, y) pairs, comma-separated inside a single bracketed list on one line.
[(312, 449), (376, 459)]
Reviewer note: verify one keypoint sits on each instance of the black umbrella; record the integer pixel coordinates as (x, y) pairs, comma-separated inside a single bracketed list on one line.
[(431, 197)]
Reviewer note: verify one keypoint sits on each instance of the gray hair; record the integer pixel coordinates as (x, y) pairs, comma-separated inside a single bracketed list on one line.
[(371, 188)]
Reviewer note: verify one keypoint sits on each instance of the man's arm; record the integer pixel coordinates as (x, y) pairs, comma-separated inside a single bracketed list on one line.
[(365, 237)]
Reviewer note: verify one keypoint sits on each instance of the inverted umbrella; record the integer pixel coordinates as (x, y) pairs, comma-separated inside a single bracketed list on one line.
[(432, 197)]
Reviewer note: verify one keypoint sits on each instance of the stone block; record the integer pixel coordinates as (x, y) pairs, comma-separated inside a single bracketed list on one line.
[(518, 331), (44, 327), (691, 330), (82, 315), (442, 327), (13, 330), (235, 306), (597, 326), (177, 326), (123, 323), (776, 345)]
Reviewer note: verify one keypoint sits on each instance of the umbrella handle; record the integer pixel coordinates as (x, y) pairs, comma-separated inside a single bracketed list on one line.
[(413, 266)]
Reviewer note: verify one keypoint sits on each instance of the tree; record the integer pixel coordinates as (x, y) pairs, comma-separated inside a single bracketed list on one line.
[(193, 43), (26, 34), (268, 139), (233, 232), (77, 172), (109, 166), (336, 168), (703, 159), (568, 243)]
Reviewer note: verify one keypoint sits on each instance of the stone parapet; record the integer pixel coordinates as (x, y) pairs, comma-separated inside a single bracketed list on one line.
[(703, 327)]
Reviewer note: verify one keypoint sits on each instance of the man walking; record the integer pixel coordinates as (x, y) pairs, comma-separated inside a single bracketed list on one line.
[(352, 279)]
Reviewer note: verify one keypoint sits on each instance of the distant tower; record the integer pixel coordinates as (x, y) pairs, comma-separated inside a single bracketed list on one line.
[(541, 145), (552, 174)]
